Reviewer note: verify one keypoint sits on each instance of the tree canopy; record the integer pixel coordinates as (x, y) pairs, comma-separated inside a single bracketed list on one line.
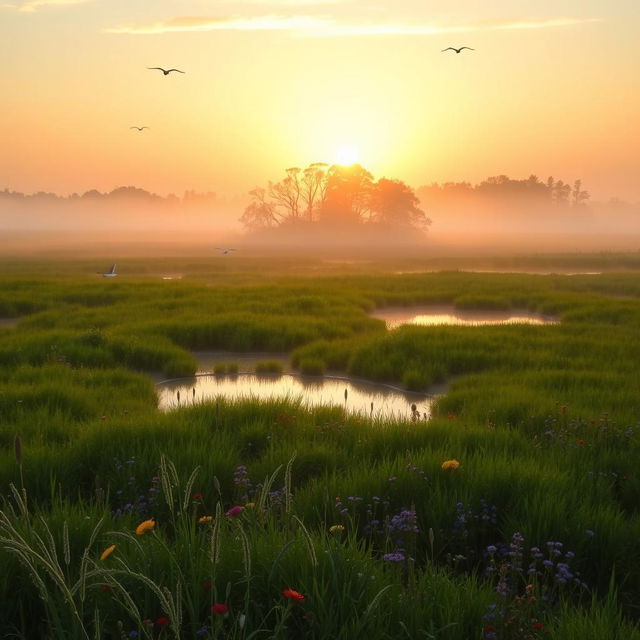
[(334, 196)]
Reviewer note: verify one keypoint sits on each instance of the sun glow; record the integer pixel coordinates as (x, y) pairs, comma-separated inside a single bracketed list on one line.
[(346, 155)]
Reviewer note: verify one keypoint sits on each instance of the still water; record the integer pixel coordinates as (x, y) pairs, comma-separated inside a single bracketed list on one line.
[(378, 401), (446, 314)]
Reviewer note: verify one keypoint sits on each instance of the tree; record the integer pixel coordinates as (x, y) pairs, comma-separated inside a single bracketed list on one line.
[(314, 188), (348, 195), (578, 196), (395, 204), (287, 193), (260, 214)]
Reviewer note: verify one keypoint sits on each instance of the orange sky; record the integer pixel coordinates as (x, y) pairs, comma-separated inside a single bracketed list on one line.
[(552, 88)]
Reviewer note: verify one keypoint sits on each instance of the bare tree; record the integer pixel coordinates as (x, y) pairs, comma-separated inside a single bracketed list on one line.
[(260, 214)]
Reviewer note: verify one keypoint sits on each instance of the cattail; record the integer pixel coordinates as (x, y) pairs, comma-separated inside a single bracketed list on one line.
[(18, 450)]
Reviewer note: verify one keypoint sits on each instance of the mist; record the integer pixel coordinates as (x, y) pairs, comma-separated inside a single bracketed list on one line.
[(499, 216)]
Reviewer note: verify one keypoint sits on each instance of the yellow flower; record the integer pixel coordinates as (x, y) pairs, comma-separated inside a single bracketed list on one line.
[(145, 526), (450, 464), (205, 519), (250, 505), (336, 528), (108, 551)]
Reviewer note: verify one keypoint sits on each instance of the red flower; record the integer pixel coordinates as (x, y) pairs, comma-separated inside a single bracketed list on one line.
[(293, 595), (538, 625), (197, 496), (206, 584), (162, 620), (105, 587), (219, 609)]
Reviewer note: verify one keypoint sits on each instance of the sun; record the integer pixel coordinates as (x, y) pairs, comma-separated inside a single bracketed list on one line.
[(346, 155)]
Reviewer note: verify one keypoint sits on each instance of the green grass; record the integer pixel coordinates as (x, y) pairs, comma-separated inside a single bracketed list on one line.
[(543, 420)]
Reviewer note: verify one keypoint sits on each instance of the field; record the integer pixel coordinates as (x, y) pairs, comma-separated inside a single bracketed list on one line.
[(512, 513)]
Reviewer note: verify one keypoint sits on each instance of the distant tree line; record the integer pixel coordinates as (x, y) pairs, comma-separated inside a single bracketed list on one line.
[(334, 196), (501, 189), (129, 193)]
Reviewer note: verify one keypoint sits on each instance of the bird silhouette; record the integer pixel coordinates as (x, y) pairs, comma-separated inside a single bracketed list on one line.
[(166, 71), (457, 50), (224, 250), (138, 128)]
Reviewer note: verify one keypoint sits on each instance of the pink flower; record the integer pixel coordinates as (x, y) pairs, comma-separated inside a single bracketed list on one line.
[(235, 511)]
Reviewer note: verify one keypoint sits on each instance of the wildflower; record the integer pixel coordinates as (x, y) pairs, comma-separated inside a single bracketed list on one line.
[(105, 587), (145, 526), (293, 595), (451, 416), (206, 585), (197, 496), (219, 609), (250, 505), (336, 528), (235, 511), (202, 631), (450, 464), (396, 556), (133, 634), (107, 552), (205, 519), (538, 625), (162, 621)]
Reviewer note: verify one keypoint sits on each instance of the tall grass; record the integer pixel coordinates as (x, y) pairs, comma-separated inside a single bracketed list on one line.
[(543, 421)]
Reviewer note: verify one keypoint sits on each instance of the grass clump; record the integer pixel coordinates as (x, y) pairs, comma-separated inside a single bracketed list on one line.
[(269, 367)]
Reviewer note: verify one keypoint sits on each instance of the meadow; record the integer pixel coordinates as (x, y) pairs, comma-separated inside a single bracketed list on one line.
[(512, 513)]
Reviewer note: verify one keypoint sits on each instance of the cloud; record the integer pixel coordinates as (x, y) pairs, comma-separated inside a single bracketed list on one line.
[(30, 6), (313, 26)]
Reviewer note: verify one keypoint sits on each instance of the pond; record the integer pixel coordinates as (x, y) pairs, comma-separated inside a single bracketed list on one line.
[(374, 400), (433, 315)]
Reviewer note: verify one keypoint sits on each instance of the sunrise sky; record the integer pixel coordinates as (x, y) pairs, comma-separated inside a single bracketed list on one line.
[(552, 88)]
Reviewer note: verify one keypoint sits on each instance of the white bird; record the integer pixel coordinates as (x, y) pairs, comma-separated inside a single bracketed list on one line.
[(111, 272), (457, 50), (224, 250), (166, 71), (138, 128)]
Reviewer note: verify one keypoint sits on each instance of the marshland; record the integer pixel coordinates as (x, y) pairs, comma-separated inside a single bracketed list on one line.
[(510, 511)]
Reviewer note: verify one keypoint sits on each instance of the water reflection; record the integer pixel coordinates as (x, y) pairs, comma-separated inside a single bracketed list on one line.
[(373, 400), (446, 314)]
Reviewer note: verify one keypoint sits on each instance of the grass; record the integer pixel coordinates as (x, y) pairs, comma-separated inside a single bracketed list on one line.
[(543, 420)]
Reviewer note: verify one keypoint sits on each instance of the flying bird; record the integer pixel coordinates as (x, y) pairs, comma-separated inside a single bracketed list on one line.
[(138, 128), (166, 71), (224, 250), (457, 50), (111, 272)]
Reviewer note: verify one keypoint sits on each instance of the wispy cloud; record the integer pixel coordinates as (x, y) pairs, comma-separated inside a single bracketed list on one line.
[(30, 6), (314, 26)]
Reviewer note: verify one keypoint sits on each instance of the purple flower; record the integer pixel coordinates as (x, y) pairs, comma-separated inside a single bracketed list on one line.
[(235, 511), (396, 556)]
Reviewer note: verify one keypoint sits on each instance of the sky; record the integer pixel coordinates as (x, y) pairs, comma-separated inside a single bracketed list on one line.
[(551, 88)]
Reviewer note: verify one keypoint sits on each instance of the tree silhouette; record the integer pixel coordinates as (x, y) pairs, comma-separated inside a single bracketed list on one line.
[(334, 196)]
